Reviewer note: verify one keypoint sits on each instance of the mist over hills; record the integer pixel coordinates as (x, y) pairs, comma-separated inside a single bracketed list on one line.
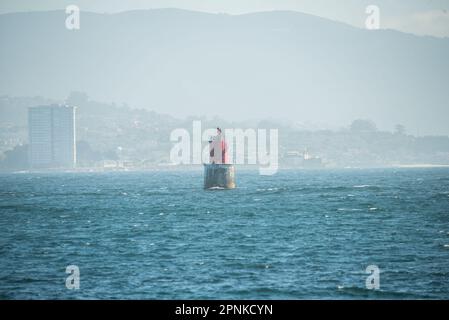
[(283, 65)]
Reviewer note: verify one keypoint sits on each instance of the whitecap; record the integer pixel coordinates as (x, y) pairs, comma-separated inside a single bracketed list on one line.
[(362, 186), (216, 188)]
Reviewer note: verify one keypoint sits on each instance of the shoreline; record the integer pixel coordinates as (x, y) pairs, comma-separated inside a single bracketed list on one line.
[(187, 168)]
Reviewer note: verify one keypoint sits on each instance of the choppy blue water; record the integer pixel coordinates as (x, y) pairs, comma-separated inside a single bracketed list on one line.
[(294, 235)]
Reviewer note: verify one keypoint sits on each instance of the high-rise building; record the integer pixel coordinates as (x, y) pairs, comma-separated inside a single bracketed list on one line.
[(52, 141)]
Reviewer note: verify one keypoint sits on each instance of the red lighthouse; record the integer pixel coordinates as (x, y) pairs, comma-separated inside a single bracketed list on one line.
[(218, 149), (218, 173)]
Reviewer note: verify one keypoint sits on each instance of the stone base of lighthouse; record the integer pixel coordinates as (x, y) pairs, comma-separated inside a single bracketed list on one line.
[(219, 176)]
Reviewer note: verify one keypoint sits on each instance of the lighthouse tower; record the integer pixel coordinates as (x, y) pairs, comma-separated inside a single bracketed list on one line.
[(218, 173)]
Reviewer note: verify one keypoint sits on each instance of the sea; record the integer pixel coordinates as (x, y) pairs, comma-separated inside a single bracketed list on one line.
[(298, 234)]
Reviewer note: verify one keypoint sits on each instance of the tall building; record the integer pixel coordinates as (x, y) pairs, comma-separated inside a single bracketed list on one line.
[(52, 141)]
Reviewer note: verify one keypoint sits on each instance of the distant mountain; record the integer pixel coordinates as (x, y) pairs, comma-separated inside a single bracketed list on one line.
[(284, 65)]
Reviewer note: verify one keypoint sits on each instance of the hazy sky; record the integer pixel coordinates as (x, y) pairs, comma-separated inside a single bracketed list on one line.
[(423, 17)]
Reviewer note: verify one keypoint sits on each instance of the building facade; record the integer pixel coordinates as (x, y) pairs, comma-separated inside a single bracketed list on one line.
[(52, 139)]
